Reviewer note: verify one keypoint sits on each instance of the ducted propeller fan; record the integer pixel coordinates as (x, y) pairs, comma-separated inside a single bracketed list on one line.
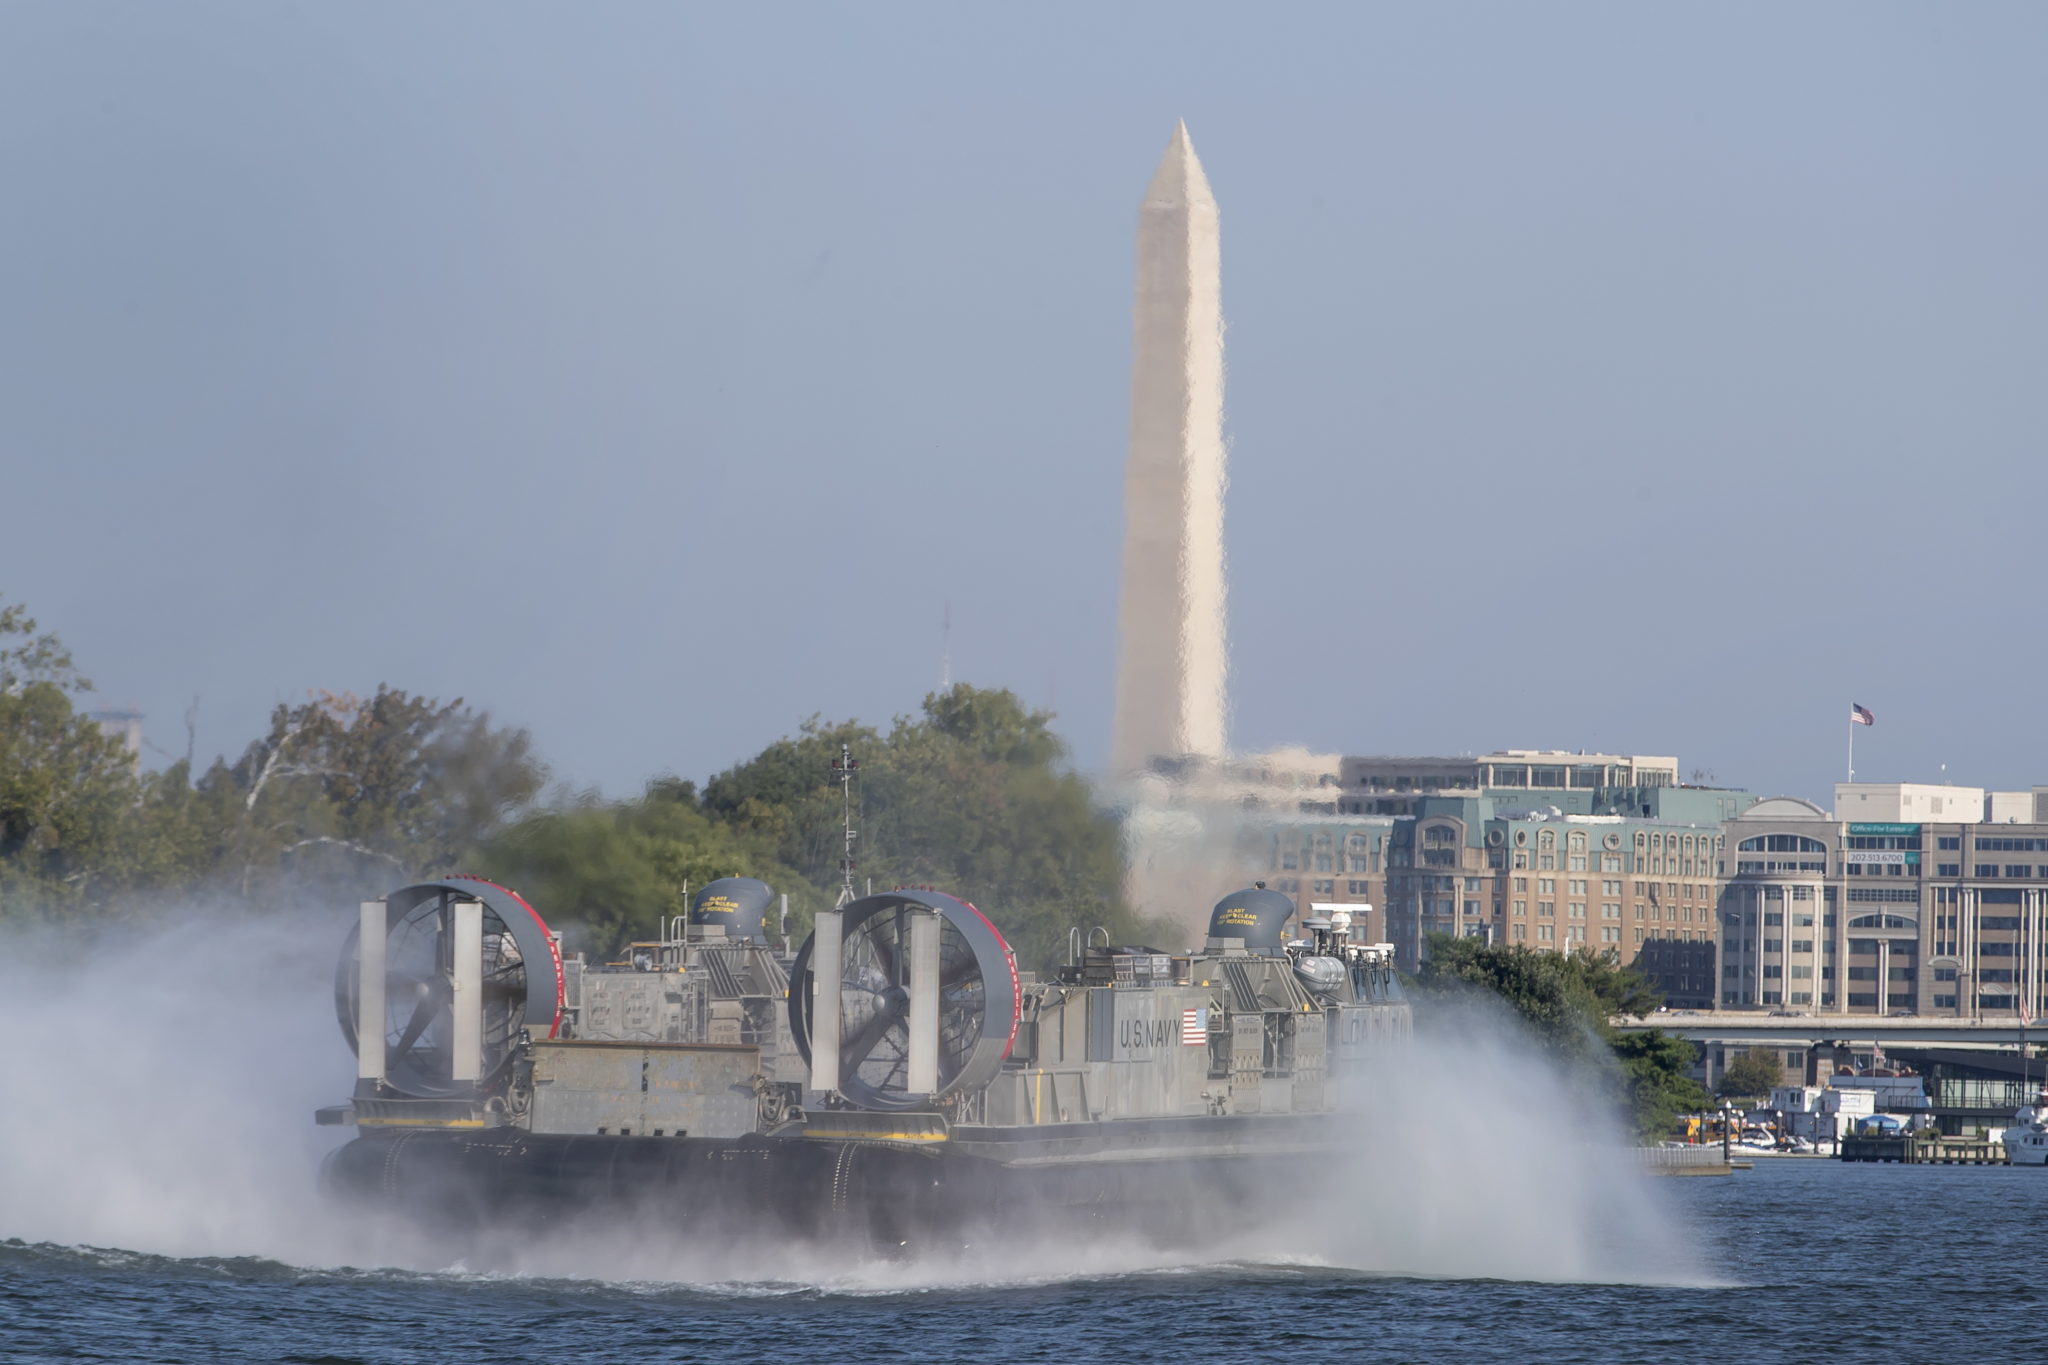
[(521, 979), (979, 999)]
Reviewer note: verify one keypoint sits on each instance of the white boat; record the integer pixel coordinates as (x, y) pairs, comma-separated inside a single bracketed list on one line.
[(2026, 1141)]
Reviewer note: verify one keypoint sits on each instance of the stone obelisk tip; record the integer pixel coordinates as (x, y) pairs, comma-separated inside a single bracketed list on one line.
[(1179, 181)]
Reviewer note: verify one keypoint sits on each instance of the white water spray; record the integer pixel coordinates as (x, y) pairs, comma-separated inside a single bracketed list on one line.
[(161, 1087)]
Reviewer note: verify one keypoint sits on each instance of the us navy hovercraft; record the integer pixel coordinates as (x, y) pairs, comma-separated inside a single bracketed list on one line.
[(897, 1079)]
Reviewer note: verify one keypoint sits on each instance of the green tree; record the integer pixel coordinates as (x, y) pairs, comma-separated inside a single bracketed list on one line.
[(27, 657), (1750, 1076), (67, 791), (349, 793), (1655, 1085), (973, 796), (610, 873)]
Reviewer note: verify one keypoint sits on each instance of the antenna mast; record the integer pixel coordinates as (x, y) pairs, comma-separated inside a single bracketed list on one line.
[(845, 767)]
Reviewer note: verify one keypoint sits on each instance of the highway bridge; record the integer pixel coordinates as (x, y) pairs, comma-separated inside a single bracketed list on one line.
[(1807, 1030)]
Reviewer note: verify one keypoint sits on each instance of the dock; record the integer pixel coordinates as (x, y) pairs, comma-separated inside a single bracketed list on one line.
[(1701, 1160), (1915, 1150)]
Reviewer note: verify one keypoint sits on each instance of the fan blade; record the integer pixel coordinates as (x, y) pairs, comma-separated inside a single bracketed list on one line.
[(885, 957), (423, 1014), (856, 1049)]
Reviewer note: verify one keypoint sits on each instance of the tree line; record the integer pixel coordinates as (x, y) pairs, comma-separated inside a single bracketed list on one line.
[(344, 797)]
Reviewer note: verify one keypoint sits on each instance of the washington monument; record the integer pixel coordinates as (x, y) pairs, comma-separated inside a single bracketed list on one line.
[(1170, 677)]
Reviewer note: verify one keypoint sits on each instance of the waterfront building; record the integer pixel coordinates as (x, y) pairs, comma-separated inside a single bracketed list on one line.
[(1381, 785), (1322, 859), (1925, 907), (1640, 886), (1559, 851)]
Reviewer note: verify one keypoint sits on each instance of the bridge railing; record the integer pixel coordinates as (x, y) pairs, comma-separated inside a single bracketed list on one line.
[(1679, 1158)]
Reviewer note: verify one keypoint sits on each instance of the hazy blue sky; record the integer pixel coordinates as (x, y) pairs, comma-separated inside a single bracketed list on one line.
[(1600, 375)]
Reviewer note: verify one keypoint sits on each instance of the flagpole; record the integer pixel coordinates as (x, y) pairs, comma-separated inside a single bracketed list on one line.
[(1852, 744)]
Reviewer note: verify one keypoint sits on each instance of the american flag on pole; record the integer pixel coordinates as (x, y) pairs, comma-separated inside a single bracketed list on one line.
[(1861, 714), (1194, 1028)]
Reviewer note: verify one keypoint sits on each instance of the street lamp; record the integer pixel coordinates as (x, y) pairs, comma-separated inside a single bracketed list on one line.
[(1727, 1122)]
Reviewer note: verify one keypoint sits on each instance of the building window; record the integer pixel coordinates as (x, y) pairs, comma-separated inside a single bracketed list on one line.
[(1782, 843), (1521, 907), (1610, 910), (1578, 909), (1546, 908), (1521, 932), (1323, 888), (1889, 895), (1546, 932), (1987, 869), (1948, 869)]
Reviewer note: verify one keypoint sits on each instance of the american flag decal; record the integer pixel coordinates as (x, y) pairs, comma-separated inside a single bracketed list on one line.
[(1194, 1028)]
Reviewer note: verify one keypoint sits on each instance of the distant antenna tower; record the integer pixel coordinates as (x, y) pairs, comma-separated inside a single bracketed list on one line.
[(946, 648), (844, 767)]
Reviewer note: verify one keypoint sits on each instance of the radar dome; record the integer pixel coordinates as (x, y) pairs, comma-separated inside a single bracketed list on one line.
[(1255, 915), (735, 904)]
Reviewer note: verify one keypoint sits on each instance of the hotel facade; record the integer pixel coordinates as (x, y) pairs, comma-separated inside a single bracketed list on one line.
[(1907, 898)]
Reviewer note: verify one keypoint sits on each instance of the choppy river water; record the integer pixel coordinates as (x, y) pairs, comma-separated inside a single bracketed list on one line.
[(1795, 1260)]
